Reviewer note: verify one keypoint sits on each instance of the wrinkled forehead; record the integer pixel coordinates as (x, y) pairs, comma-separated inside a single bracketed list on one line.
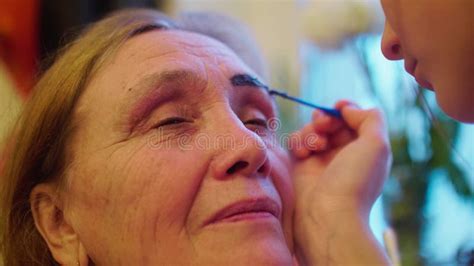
[(179, 47), (131, 72)]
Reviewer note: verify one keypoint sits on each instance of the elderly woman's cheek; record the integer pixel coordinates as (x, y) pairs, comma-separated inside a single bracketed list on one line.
[(281, 177), (134, 194)]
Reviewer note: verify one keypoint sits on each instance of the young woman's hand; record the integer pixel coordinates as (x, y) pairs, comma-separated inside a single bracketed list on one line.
[(339, 169)]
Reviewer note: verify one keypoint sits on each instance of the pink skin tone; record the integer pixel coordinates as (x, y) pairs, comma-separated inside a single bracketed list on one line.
[(337, 179), (435, 38), (136, 197), (137, 194)]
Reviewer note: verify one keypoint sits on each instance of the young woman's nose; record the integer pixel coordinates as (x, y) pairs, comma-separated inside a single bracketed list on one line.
[(391, 47), (244, 154)]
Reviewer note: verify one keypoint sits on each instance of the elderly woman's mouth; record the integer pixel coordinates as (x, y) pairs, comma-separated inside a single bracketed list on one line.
[(171, 134), (251, 209)]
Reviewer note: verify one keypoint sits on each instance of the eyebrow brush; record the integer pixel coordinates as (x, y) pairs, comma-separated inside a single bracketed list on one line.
[(329, 111), (247, 80)]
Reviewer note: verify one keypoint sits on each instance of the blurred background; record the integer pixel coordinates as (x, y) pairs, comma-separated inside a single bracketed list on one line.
[(322, 50)]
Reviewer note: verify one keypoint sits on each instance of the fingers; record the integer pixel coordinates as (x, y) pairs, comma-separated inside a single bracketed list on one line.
[(342, 137), (324, 123), (305, 141), (336, 130), (342, 103), (326, 132), (364, 122), (368, 124)]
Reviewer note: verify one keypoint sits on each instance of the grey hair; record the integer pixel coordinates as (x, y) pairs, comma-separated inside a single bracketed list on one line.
[(229, 31), (40, 142)]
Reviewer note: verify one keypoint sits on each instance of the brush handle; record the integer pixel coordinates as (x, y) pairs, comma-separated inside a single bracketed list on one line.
[(329, 111)]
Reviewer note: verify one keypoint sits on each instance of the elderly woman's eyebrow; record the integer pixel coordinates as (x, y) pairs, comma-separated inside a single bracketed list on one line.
[(152, 91), (247, 80)]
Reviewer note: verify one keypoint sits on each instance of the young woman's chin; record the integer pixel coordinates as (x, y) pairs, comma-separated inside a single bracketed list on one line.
[(458, 107)]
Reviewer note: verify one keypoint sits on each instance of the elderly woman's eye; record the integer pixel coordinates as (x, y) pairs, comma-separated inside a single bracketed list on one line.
[(171, 121), (257, 122)]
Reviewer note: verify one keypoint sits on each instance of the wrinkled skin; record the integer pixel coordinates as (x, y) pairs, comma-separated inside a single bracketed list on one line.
[(157, 156), (137, 197)]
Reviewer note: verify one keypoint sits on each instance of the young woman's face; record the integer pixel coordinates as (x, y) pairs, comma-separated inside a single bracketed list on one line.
[(436, 40), (174, 164)]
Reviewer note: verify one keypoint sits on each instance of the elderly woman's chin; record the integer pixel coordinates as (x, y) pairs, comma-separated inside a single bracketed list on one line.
[(164, 155), (251, 240), (254, 241)]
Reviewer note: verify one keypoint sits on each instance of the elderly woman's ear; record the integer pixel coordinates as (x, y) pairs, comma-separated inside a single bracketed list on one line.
[(62, 240)]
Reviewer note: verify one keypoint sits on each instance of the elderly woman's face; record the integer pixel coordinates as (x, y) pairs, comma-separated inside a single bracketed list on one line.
[(173, 163)]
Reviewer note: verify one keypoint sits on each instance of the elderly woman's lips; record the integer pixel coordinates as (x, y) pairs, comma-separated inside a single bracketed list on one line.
[(245, 210)]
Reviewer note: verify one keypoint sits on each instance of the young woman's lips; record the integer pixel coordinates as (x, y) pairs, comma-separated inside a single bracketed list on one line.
[(246, 210), (410, 67), (424, 84)]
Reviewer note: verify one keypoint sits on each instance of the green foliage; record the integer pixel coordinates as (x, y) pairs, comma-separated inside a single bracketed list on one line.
[(410, 174)]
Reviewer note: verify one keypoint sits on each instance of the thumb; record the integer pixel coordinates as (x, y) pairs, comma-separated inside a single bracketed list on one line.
[(370, 121)]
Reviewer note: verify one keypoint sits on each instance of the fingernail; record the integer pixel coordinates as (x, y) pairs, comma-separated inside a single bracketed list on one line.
[(316, 114)]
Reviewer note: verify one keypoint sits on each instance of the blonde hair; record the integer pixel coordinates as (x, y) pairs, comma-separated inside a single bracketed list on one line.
[(37, 149)]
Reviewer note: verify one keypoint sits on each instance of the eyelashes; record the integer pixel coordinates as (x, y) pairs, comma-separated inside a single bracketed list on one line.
[(260, 127), (257, 122), (171, 121), (175, 121)]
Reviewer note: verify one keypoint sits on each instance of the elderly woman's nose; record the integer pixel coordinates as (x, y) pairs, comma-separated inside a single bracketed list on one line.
[(244, 153), (391, 47)]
